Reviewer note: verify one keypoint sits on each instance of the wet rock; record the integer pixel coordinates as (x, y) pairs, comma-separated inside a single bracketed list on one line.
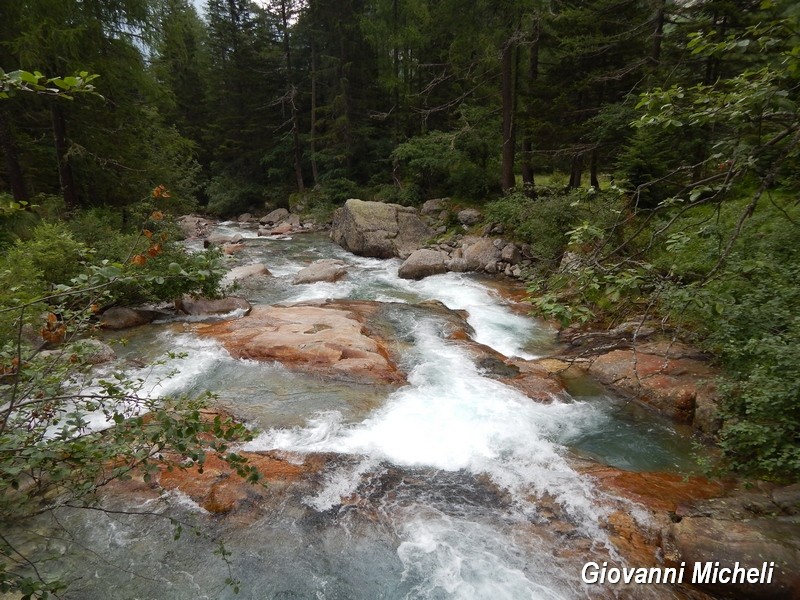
[(681, 388), (220, 490), (332, 340), (469, 216), (197, 306), (326, 269), (378, 229), (788, 499), (120, 317), (281, 229), (748, 543), (423, 263), (274, 217), (94, 351), (536, 382), (194, 226), (219, 238), (244, 217), (245, 272), (660, 492), (230, 249)]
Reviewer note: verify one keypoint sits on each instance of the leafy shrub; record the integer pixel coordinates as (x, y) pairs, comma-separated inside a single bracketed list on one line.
[(542, 222), (54, 252)]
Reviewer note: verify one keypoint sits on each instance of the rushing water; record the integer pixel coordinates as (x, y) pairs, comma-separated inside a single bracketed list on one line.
[(451, 486)]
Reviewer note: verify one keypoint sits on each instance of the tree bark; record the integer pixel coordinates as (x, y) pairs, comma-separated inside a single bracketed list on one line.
[(594, 180), (313, 133), (507, 93), (576, 172), (64, 168), (527, 142), (16, 179), (291, 93), (658, 33)]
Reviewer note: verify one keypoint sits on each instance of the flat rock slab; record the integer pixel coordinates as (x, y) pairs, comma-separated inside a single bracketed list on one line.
[(329, 340)]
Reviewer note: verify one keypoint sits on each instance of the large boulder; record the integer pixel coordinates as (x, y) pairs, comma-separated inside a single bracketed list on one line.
[(95, 352), (434, 206), (749, 544), (479, 253), (274, 217), (245, 272), (326, 269), (194, 226), (469, 216), (378, 229), (665, 377), (120, 317), (328, 340), (422, 263)]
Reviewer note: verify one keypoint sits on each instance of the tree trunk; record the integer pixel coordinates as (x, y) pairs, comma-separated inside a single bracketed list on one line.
[(527, 142), (291, 93), (576, 172), (64, 169), (313, 132), (15, 177), (594, 180), (658, 34), (507, 92)]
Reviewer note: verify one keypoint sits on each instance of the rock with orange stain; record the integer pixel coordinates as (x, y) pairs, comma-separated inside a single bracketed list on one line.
[(657, 491), (219, 489), (677, 384), (331, 339)]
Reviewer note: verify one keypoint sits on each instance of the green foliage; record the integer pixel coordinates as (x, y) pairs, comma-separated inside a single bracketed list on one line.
[(448, 164), (54, 252), (230, 195), (544, 222), (36, 83), (64, 436), (16, 221)]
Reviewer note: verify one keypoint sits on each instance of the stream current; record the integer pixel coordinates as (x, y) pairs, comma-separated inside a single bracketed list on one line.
[(453, 485)]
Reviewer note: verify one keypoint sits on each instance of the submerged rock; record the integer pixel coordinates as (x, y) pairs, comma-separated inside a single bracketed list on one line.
[(326, 269), (378, 229), (329, 340)]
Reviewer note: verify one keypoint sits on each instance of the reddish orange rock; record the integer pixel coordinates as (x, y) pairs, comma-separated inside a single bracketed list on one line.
[(218, 489), (656, 491), (327, 339)]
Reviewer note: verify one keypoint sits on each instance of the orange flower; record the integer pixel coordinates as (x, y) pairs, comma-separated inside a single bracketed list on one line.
[(147, 233), (139, 260), (157, 215), (154, 250)]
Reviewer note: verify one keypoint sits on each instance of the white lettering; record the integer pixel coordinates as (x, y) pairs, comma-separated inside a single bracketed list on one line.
[(702, 574), (592, 578)]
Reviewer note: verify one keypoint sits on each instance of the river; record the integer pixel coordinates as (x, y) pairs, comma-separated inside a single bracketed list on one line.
[(453, 485)]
